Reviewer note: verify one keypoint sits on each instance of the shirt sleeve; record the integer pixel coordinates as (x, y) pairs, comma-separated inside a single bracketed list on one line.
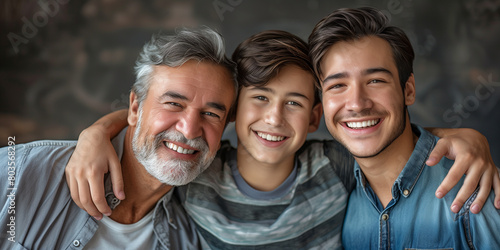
[(342, 163), (483, 229), (36, 203)]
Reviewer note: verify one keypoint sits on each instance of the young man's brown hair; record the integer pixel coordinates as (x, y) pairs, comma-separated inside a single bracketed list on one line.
[(352, 24)]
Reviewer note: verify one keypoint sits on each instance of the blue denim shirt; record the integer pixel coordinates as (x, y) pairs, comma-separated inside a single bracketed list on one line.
[(38, 213), (415, 218)]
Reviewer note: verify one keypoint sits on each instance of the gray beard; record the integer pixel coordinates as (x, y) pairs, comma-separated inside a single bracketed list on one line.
[(173, 172)]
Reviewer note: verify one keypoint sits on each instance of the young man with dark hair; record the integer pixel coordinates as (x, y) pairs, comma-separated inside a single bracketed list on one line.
[(365, 68)]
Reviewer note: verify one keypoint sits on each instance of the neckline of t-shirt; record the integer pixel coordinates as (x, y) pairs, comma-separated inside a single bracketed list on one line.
[(127, 228), (253, 193)]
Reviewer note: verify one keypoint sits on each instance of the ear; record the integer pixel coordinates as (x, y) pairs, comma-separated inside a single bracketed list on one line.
[(133, 110), (410, 90), (315, 119)]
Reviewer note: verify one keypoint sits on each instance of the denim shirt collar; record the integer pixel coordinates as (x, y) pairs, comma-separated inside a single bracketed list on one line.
[(407, 179)]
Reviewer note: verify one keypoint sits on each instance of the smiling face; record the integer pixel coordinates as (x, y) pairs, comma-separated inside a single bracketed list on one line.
[(272, 121), (363, 101), (179, 125)]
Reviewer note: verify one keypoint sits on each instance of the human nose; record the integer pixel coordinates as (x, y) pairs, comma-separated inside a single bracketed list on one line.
[(190, 124), (274, 115), (358, 99)]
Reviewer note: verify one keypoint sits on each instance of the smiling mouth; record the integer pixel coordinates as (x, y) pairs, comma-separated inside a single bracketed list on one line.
[(269, 137), (179, 149), (363, 124)]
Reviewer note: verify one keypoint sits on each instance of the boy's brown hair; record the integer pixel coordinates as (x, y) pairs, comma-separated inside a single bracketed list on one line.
[(261, 56)]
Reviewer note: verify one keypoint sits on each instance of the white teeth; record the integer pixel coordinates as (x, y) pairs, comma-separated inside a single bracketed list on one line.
[(363, 124), (179, 149), (270, 137)]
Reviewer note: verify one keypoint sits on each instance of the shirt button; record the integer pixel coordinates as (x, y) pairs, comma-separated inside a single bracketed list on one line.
[(406, 192), (76, 243), (385, 217), (171, 220)]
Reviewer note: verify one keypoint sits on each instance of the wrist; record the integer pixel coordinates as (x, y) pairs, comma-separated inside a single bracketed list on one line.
[(95, 132), (443, 132)]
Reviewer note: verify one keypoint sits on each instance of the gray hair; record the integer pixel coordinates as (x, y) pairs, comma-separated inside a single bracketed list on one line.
[(202, 44)]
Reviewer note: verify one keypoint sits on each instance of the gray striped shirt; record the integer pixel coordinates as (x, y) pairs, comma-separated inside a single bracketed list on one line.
[(309, 215)]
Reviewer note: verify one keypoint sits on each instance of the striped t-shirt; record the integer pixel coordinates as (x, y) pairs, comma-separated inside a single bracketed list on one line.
[(309, 215)]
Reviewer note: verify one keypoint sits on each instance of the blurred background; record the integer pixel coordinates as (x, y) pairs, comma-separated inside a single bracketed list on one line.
[(66, 63)]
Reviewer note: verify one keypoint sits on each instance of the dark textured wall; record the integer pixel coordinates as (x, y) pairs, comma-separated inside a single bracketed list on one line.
[(66, 63)]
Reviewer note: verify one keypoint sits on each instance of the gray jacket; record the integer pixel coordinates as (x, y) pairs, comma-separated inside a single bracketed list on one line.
[(38, 212)]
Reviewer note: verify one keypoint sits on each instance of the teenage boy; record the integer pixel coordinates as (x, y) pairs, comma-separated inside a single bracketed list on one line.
[(365, 68), (270, 192)]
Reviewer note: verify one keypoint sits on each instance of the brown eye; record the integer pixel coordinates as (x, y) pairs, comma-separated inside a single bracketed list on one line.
[(336, 86), (173, 105)]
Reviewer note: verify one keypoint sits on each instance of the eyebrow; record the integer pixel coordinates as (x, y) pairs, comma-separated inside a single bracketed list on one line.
[(177, 95), (217, 106), (376, 70), (336, 76), (364, 73), (269, 90)]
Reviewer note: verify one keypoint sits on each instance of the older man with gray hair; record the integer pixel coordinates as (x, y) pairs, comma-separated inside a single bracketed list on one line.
[(179, 105)]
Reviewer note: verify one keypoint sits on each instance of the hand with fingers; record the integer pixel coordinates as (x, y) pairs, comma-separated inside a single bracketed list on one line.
[(471, 152), (95, 156)]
